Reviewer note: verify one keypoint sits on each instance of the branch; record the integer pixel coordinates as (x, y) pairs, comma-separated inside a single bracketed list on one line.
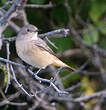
[(50, 5), (10, 23), (91, 29), (12, 103), (35, 75), (77, 71), (19, 85), (46, 81), (6, 16), (80, 99), (73, 87), (1, 42), (78, 38), (98, 64), (11, 62), (55, 33), (52, 44), (10, 98), (7, 66), (82, 42)]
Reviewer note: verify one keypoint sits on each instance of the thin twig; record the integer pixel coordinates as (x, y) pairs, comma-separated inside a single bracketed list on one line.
[(51, 43), (6, 4), (47, 81), (7, 66), (91, 29), (50, 5), (80, 99), (11, 62), (10, 23), (77, 71), (6, 16), (11, 39), (73, 87), (1, 41), (12, 103), (24, 17), (50, 34), (77, 38), (56, 33), (19, 85), (98, 64), (10, 98)]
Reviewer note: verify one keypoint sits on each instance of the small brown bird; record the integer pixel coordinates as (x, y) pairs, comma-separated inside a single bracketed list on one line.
[(34, 51)]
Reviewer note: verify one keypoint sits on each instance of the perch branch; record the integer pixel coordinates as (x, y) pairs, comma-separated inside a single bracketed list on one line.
[(35, 75), (51, 34)]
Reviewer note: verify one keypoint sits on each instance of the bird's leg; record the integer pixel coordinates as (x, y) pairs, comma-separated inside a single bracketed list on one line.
[(46, 81), (38, 71), (27, 67)]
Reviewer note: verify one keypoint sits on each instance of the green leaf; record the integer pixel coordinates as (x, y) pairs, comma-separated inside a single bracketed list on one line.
[(8, 32), (3, 76), (62, 43), (102, 27), (3, 2), (92, 36), (59, 2), (72, 78), (97, 9)]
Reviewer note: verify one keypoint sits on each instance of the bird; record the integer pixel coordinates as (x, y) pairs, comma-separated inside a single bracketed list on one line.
[(34, 51)]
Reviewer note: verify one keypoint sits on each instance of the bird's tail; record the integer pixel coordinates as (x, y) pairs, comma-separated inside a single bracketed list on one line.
[(59, 63)]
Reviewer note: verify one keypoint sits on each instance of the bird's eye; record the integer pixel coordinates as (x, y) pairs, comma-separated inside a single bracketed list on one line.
[(28, 30)]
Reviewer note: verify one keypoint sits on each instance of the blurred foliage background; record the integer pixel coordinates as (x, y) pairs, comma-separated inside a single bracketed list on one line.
[(89, 20)]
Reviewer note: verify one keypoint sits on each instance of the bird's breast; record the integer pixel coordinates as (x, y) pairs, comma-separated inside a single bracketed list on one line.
[(24, 51), (33, 55)]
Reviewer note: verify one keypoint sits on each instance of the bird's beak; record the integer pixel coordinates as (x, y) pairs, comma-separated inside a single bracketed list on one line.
[(38, 30)]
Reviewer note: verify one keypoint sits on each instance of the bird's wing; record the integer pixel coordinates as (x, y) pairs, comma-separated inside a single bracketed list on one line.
[(40, 43)]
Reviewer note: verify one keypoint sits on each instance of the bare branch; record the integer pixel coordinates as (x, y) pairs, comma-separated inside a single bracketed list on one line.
[(73, 87), (35, 76), (77, 38), (10, 98), (98, 64), (55, 33), (10, 23), (0, 42), (19, 85), (77, 71), (10, 62), (51, 43), (80, 99), (7, 66), (12, 103), (6, 16), (50, 5), (47, 81)]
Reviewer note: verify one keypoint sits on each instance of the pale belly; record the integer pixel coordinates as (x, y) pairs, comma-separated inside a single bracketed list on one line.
[(35, 57)]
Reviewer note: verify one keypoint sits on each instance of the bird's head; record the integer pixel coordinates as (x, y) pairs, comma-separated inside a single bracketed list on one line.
[(28, 32)]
